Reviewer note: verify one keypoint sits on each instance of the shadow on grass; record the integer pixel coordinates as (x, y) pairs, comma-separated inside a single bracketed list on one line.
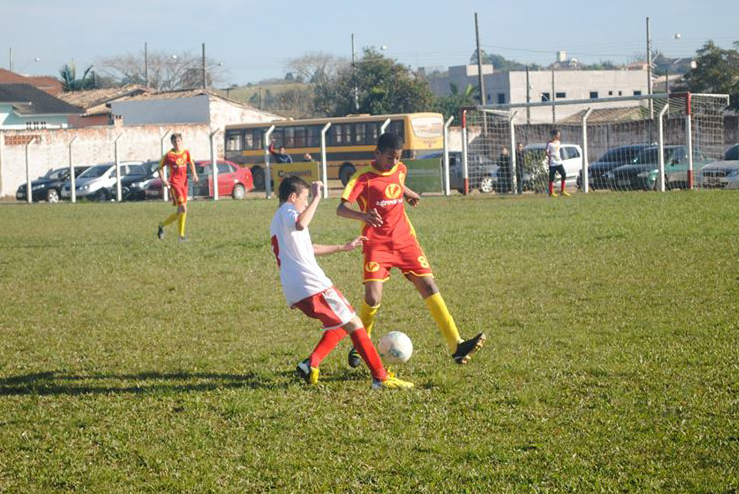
[(53, 383)]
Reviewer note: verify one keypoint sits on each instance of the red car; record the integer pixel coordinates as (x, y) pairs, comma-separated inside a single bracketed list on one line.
[(233, 181)]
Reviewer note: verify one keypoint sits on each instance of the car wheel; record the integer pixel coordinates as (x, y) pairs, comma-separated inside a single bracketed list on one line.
[(257, 174), (101, 195), (239, 192), (52, 196), (486, 185), (346, 172)]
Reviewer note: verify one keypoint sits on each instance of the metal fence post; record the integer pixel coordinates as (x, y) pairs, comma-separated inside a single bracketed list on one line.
[(29, 192), (117, 170), (514, 187), (661, 151), (689, 137), (72, 178), (585, 161), (384, 125), (165, 191), (447, 187), (324, 166), (214, 163), (268, 169), (465, 176)]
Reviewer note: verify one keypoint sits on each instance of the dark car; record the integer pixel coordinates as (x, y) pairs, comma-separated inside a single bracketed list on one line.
[(613, 158), (133, 185), (642, 173), (48, 188), (480, 171), (732, 154)]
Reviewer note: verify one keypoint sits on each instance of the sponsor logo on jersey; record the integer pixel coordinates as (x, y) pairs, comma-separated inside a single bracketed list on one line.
[(372, 267), (393, 191)]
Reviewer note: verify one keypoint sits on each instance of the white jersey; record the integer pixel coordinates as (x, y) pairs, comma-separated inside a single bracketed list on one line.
[(553, 156), (300, 274)]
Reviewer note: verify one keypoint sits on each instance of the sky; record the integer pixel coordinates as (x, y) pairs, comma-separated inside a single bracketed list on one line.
[(255, 39)]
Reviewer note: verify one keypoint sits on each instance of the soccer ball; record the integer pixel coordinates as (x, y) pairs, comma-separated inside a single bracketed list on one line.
[(395, 347)]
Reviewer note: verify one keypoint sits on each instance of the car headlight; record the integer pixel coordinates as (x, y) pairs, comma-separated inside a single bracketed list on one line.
[(37, 187), (607, 175), (84, 187), (644, 174)]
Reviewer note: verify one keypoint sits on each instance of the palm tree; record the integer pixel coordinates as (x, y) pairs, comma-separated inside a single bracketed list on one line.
[(69, 79)]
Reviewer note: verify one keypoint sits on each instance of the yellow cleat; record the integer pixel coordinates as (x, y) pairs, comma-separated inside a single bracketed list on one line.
[(565, 193), (553, 194), (391, 382), (307, 373)]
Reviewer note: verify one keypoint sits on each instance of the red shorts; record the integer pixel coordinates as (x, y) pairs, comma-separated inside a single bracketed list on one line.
[(410, 260), (179, 193), (329, 306)]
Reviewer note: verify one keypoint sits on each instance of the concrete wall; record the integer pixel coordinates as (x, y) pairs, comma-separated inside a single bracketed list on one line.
[(195, 109), (50, 148)]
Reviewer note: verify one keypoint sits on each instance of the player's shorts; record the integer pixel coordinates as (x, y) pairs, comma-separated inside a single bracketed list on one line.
[(329, 306), (410, 260), (553, 170), (179, 193)]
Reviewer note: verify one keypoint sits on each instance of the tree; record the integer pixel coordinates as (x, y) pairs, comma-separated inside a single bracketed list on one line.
[(68, 74), (382, 86), (316, 65), (451, 106), (166, 72), (716, 71), (499, 62)]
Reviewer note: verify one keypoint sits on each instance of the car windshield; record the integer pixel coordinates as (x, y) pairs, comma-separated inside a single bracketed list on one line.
[(620, 155), (95, 171), (137, 170), (56, 174)]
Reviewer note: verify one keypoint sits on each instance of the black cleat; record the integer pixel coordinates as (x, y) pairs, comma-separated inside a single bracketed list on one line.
[(160, 232), (467, 348), (306, 372), (354, 359)]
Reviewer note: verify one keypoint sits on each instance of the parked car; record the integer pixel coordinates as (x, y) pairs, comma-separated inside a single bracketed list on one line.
[(133, 185), (642, 173), (722, 174), (49, 187), (613, 158), (480, 171), (732, 154), (233, 180), (97, 181), (536, 169)]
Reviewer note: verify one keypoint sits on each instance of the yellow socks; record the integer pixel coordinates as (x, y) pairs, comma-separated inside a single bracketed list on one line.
[(181, 223), (170, 219), (367, 315), (444, 320)]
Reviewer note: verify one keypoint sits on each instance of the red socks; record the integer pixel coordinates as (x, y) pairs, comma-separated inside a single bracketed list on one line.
[(329, 340), (551, 188), (368, 352), (563, 185)]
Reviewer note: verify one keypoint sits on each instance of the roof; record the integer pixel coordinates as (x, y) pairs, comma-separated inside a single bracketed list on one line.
[(94, 101), (45, 83), (605, 115), (28, 100), (191, 93)]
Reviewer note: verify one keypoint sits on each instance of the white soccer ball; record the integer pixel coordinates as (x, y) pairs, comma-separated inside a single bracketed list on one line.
[(395, 347)]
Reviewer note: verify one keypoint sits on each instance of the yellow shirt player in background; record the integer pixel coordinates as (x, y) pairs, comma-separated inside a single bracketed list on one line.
[(176, 160), (391, 242)]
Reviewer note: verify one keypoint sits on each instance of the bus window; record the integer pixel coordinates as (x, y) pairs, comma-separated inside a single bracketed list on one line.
[(300, 137), (313, 138), (396, 127), (360, 133), (289, 137), (234, 141), (278, 138), (373, 133)]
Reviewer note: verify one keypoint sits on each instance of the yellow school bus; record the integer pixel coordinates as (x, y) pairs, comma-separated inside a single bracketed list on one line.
[(350, 141)]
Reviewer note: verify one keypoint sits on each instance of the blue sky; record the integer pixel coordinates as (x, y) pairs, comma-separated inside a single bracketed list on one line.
[(254, 39)]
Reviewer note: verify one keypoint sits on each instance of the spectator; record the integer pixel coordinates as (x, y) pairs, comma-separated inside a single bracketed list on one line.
[(504, 171), (519, 167), (280, 155), (307, 157)]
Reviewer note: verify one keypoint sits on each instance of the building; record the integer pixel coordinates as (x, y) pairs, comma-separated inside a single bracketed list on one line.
[(23, 106), (191, 106), (46, 83), (96, 103)]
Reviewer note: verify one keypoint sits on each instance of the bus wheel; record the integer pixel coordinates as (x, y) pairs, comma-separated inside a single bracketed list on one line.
[(346, 172), (257, 174)]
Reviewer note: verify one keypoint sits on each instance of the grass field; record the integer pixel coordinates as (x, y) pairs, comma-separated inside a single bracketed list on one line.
[(129, 365)]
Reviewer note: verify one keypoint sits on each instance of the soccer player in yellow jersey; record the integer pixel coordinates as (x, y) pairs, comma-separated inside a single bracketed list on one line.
[(176, 160), (379, 191)]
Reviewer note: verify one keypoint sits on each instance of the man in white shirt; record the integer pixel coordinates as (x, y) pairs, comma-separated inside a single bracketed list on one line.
[(307, 287), (554, 160)]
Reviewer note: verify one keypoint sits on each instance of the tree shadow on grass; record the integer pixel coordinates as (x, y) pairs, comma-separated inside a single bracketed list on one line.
[(59, 383)]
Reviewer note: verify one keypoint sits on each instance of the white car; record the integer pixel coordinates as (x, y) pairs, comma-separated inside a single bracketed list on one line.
[(97, 181), (720, 174), (536, 170)]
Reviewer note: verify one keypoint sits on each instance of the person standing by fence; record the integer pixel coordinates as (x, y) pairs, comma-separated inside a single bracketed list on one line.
[(554, 160)]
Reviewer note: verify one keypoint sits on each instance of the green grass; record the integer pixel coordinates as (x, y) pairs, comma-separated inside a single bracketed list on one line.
[(129, 365)]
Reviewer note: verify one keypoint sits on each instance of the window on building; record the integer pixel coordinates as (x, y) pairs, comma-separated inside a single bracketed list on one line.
[(610, 93), (501, 98), (620, 93), (593, 94), (560, 95), (637, 93), (545, 96)]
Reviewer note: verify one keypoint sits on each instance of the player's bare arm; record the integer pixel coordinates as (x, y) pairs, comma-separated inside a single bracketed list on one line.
[(371, 217), (323, 250), (411, 196), (306, 216), (192, 171)]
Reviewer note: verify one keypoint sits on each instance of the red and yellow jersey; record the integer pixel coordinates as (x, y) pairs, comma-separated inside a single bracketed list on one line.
[(176, 163), (383, 191)]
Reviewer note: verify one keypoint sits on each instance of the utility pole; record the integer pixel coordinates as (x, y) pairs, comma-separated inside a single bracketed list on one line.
[(146, 65), (205, 82), (10, 59), (528, 96), (480, 79), (354, 78), (553, 98), (649, 72)]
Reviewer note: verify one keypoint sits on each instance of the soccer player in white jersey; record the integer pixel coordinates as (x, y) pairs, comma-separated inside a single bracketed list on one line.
[(554, 160), (307, 288)]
